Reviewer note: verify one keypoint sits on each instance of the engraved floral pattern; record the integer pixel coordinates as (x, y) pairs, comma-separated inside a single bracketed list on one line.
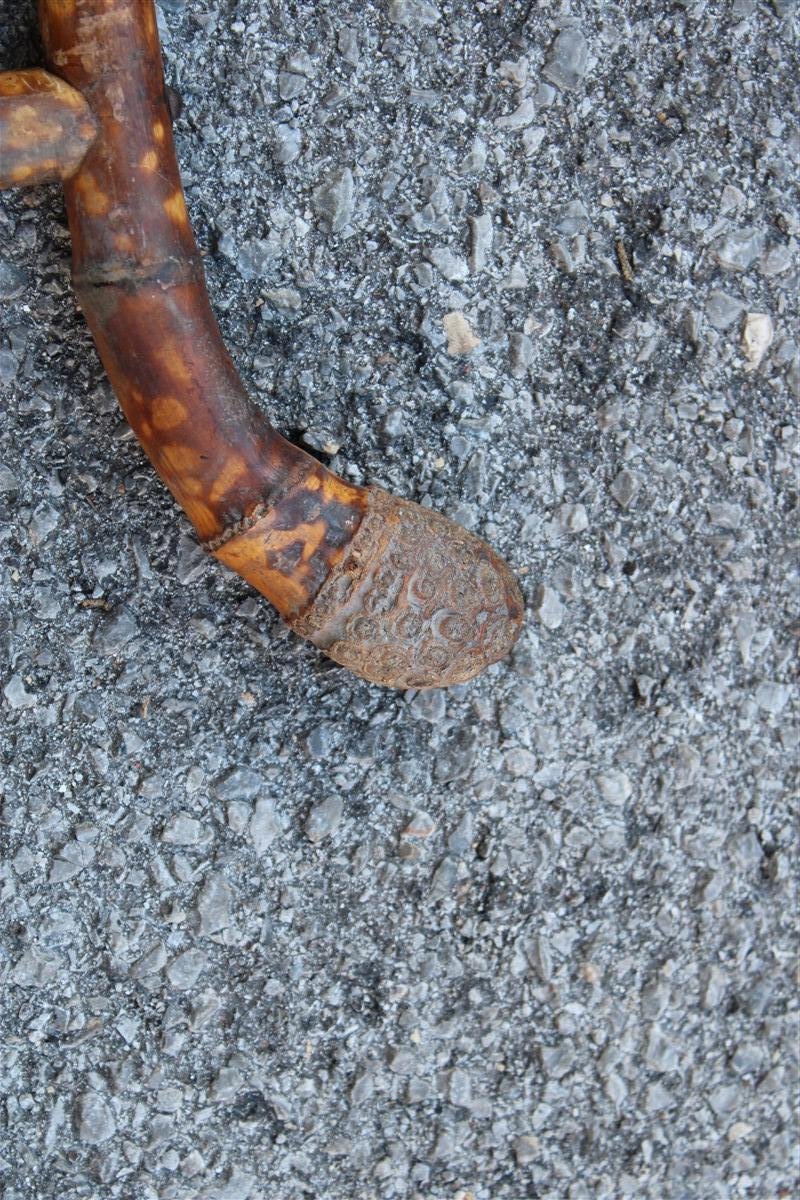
[(417, 602)]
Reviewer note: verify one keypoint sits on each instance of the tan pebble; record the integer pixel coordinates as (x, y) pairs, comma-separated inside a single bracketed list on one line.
[(460, 338), (421, 825), (757, 335)]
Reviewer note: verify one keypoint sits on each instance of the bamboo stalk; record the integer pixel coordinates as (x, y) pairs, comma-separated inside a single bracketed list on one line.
[(395, 592)]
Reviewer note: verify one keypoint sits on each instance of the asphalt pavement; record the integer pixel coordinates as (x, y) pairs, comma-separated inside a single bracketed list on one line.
[(269, 932)]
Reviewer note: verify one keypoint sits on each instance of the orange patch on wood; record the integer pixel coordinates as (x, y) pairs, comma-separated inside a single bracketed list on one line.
[(170, 358), (310, 533), (149, 160), (234, 467), (95, 201), (26, 127), (254, 554), (167, 412), (150, 26), (313, 536), (15, 83), (64, 91), (158, 130), (124, 243), (51, 129), (175, 208), (336, 489), (180, 459), (200, 515), (246, 557)]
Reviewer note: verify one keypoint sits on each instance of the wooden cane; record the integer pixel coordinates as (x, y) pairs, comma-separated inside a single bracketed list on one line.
[(394, 591)]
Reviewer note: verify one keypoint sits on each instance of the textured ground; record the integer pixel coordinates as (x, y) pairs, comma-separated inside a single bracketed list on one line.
[(269, 932)]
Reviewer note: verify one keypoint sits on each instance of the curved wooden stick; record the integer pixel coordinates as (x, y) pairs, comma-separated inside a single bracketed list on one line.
[(396, 592)]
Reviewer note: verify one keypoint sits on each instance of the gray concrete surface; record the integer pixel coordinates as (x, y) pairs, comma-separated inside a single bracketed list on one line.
[(270, 932)]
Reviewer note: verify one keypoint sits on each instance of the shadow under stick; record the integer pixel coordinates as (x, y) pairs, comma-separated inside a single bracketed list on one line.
[(397, 593)]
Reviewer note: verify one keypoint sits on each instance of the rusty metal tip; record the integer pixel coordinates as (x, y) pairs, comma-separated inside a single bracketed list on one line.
[(416, 601)]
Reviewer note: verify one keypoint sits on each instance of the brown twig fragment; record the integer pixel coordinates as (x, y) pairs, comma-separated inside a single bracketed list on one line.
[(626, 270), (395, 592)]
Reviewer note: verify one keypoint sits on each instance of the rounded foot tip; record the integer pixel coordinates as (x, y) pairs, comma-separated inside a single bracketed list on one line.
[(416, 601)]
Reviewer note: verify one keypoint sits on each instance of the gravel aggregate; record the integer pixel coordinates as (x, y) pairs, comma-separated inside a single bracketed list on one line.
[(270, 932)]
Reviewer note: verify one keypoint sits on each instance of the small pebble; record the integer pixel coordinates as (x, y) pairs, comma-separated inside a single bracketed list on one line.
[(522, 115), (239, 784), (413, 13), (772, 697), (739, 250), (444, 878), (290, 85), (94, 1119), (182, 830), (625, 488), (264, 826), (614, 786), (8, 480), (334, 200), (568, 60), (460, 338), (13, 280), (723, 310), (113, 633), (548, 607), (757, 335), (521, 353), (16, 693), (214, 904), (452, 266), (287, 142), (324, 819), (572, 518), (526, 1149), (184, 971)]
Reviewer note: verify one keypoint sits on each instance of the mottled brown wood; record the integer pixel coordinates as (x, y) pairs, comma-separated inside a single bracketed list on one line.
[(46, 127), (139, 278), (397, 593)]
